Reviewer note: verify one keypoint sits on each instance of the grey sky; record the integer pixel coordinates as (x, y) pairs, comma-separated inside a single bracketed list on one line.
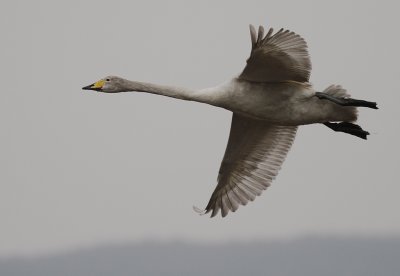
[(81, 168)]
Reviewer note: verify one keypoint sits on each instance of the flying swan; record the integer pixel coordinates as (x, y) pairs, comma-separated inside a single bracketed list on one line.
[(269, 99)]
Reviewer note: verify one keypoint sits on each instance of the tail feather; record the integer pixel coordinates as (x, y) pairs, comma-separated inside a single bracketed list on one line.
[(336, 91), (345, 113)]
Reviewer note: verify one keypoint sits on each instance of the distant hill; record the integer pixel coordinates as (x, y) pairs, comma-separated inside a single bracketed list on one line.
[(302, 257)]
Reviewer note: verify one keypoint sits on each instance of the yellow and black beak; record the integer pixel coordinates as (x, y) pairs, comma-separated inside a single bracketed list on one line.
[(97, 86)]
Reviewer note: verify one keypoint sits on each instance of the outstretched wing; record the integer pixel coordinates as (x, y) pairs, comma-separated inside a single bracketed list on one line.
[(279, 57), (253, 157)]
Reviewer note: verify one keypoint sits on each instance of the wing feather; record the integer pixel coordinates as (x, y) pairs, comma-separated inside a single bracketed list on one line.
[(253, 157), (275, 58)]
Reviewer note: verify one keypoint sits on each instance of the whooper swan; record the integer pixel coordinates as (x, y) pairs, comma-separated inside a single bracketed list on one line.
[(269, 99)]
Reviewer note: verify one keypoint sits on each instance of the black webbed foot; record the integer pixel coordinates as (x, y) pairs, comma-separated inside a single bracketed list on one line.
[(346, 101), (349, 128)]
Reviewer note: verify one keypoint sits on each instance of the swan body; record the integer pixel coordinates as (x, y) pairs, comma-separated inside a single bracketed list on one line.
[(284, 103), (269, 99)]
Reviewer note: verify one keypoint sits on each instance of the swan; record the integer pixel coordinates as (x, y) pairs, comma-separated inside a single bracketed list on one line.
[(269, 100)]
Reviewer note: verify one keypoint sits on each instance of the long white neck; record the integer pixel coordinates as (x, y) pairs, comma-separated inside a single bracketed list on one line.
[(209, 96)]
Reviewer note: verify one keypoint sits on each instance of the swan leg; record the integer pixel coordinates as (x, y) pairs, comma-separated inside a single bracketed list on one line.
[(345, 101), (349, 128)]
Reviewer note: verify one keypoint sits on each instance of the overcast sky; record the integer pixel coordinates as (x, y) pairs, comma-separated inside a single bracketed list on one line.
[(81, 168)]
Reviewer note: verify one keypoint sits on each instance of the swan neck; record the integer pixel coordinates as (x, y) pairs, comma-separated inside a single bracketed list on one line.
[(169, 91)]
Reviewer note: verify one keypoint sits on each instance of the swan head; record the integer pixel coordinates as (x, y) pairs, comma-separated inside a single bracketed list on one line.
[(110, 84)]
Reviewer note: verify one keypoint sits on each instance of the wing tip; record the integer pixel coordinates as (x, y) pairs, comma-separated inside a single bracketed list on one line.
[(199, 211), (202, 212), (253, 34)]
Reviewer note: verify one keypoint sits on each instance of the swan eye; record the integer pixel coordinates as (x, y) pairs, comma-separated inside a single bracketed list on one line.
[(107, 79)]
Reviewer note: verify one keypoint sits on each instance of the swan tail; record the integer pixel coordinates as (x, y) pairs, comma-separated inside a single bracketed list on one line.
[(344, 113)]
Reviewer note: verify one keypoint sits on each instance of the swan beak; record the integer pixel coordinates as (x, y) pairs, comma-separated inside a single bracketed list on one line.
[(97, 86)]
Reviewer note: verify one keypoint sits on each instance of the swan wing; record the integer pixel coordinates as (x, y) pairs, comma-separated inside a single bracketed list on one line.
[(253, 157), (282, 56)]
